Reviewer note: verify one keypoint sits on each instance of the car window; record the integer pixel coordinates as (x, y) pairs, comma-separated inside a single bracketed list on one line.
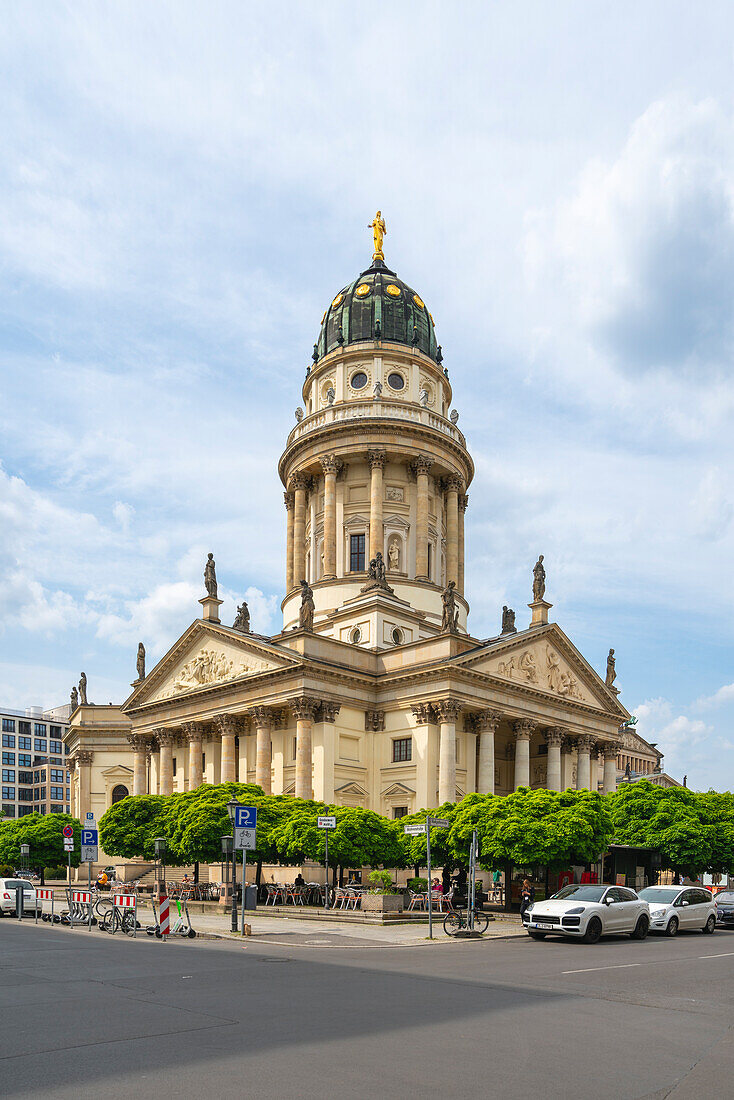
[(726, 897), (615, 894), (662, 896), (14, 883), (702, 897), (628, 895), (580, 893)]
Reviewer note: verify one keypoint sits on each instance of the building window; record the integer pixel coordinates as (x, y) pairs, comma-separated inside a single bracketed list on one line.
[(8, 811), (118, 793), (57, 793), (54, 760), (402, 750), (39, 745), (8, 741), (430, 559), (295, 748), (23, 810), (57, 775), (397, 636), (39, 729), (8, 775), (56, 746), (8, 758), (25, 777), (57, 809), (356, 636), (399, 811), (356, 553), (24, 760), (203, 761), (358, 381), (24, 727), (173, 766), (9, 793), (24, 743), (8, 726)]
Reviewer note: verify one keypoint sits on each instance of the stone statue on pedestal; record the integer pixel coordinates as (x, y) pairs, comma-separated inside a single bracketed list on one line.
[(83, 689), (141, 661), (450, 617), (210, 576), (376, 574), (611, 669), (74, 699), (508, 620), (539, 579), (242, 621), (306, 613)]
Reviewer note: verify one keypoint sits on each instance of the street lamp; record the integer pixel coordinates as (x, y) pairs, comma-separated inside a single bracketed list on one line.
[(159, 847), (25, 851), (232, 807)]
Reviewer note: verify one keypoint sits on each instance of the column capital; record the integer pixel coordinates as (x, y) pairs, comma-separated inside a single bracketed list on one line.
[(165, 736), (299, 481), (228, 725), (610, 748), (421, 465), (585, 743), (454, 484), (330, 464), (463, 502), (261, 717), (84, 756), (555, 736), (328, 711), (374, 720), (448, 710), (524, 728), (288, 500), (137, 741), (71, 763), (485, 721), (424, 713), (193, 731), (304, 707), (376, 458)]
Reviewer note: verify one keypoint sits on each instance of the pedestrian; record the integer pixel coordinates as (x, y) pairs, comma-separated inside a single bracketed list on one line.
[(527, 895)]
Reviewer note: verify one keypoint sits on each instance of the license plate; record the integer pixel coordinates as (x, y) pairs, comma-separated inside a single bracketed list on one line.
[(539, 925)]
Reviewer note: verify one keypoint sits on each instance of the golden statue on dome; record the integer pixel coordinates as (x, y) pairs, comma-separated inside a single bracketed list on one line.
[(379, 229)]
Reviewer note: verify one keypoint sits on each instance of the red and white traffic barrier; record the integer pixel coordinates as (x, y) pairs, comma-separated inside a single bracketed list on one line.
[(164, 916), (124, 901), (81, 897), (44, 895)]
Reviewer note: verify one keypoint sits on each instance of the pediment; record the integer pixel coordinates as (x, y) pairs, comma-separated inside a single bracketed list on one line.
[(397, 789), (352, 788), (204, 657), (546, 661), (119, 771)]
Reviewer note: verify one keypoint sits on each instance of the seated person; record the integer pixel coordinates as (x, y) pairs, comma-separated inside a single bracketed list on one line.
[(437, 886), (300, 880)]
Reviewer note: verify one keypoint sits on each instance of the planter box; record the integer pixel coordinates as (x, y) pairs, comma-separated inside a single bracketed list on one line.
[(382, 903)]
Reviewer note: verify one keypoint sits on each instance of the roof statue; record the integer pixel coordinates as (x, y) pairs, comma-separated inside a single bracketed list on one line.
[(508, 620), (379, 229), (141, 661), (242, 621), (450, 617), (83, 689), (539, 579), (74, 699), (611, 669), (210, 576), (305, 615)]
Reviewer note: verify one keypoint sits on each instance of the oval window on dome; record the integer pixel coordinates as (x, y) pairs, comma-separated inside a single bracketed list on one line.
[(356, 636), (419, 302), (337, 301), (362, 290), (393, 291), (395, 381), (397, 636), (358, 381)]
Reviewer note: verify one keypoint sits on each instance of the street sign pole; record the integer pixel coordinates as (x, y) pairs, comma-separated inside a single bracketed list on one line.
[(430, 887), (89, 871), (234, 889), (326, 860), (71, 906), (244, 887)]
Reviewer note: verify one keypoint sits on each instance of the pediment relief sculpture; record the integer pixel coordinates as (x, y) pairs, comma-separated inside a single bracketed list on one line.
[(210, 666), (540, 667)]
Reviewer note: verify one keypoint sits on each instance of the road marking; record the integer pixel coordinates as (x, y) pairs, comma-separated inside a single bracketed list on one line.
[(724, 955), (588, 969)]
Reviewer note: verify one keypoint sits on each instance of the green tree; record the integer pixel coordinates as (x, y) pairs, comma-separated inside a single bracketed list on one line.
[(129, 827), (442, 852), (361, 838), (555, 829), (43, 834)]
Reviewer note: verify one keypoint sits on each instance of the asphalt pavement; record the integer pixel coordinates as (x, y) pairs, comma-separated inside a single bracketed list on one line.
[(89, 1015)]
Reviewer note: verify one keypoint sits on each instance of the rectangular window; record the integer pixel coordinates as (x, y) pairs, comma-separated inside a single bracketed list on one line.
[(9, 811), (57, 793), (57, 776), (24, 742), (54, 760), (55, 731), (8, 725), (8, 775), (402, 750), (57, 809), (42, 794), (8, 741), (9, 793), (430, 555), (39, 745), (24, 727), (295, 748), (55, 746), (356, 553), (8, 758), (173, 766), (399, 811), (203, 761), (39, 729), (23, 810), (24, 759), (25, 777)]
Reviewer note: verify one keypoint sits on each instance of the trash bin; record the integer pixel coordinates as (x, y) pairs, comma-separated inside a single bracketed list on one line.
[(250, 899)]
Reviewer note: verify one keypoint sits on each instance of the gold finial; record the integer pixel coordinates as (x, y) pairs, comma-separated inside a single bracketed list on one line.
[(379, 229)]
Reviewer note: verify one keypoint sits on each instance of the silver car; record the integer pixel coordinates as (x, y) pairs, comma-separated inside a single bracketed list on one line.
[(587, 913), (674, 908), (7, 896)]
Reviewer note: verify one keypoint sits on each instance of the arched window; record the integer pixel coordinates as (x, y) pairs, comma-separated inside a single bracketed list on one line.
[(118, 793)]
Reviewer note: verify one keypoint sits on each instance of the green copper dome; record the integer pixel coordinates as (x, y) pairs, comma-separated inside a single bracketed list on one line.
[(377, 306)]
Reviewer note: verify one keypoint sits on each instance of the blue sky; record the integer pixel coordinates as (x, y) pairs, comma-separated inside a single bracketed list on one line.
[(183, 188)]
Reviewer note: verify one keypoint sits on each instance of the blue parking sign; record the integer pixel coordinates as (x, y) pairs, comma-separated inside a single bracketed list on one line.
[(89, 836), (245, 817)]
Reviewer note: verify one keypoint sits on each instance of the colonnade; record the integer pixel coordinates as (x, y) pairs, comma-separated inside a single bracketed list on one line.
[(296, 501)]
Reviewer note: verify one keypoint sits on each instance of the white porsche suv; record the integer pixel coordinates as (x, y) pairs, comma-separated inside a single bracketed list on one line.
[(586, 912)]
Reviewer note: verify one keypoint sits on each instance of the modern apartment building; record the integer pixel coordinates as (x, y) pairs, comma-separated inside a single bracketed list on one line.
[(35, 773)]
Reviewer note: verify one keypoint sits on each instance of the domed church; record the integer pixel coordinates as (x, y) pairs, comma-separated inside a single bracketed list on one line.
[(375, 693)]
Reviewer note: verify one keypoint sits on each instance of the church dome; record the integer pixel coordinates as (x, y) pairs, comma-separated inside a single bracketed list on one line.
[(377, 305)]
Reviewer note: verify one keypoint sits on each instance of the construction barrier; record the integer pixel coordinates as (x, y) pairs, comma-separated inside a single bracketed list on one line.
[(128, 901), (164, 916), (44, 895)]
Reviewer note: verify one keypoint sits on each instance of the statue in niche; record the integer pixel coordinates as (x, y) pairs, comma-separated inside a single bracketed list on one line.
[(330, 395), (527, 666), (210, 576), (141, 661), (424, 397), (611, 669), (508, 620), (555, 681), (377, 390), (393, 556), (450, 617), (306, 613), (242, 620), (83, 689), (539, 579), (74, 699), (299, 414)]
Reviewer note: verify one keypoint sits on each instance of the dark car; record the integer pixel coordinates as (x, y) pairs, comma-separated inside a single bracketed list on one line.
[(725, 908)]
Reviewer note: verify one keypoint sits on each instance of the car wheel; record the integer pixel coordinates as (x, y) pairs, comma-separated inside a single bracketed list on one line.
[(672, 929), (593, 931), (641, 929), (710, 925), (537, 935)]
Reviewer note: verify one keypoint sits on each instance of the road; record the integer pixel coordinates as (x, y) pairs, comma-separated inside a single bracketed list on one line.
[(89, 1015)]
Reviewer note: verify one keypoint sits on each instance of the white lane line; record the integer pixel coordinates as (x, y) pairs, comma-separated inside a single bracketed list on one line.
[(724, 955), (619, 966)]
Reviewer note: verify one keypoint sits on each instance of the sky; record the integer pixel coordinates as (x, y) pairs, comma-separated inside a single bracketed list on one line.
[(185, 186)]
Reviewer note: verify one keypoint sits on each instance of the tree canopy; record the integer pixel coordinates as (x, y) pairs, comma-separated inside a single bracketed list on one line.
[(43, 834), (442, 853), (129, 827), (361, 838)]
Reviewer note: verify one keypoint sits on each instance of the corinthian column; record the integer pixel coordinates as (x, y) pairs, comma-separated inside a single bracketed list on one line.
[(523, 732), (486, 723), (463, 502), (300, 485), (288, 500), (262, 720), (330, 466), (166, 739), (554, 739), (422, 466), (454, 487), (448, 710), (304, 709), (84, 758), (194, 731), (139, 745), (583, 773), (228, 725), (611, 748), (377, 460)]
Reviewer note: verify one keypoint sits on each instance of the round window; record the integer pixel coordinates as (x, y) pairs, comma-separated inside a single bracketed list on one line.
[(397, 636), (358, 380), (362, 290), (395, 381), (356, 636)]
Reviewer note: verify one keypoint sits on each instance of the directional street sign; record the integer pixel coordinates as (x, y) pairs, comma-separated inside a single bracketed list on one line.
[(68, 844), (245, 825), (326, 823), (68, 830), (414, 830), (438, 822)]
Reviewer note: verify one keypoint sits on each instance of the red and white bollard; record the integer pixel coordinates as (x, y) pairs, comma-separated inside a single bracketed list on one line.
[(164, 916)]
